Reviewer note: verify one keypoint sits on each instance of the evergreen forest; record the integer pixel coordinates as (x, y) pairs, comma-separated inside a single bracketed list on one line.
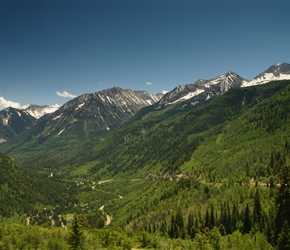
[(210, 176)]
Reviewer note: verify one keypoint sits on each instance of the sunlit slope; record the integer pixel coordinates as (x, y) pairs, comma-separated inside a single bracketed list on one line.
[(194, 141)]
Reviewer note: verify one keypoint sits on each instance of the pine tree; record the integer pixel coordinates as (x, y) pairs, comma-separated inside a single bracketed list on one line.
[(172, 230), (247, 224), (223, 217), (235, 217), (282, 202), (211, 217), (190, 223), (229, 220), (75, 239), (283, 242), (180, 224), (257, 211), (206, 223)]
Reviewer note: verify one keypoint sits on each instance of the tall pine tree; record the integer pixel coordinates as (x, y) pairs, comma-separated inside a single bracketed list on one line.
[(75, 239), (282, 203), (257, 211), (247, 224)]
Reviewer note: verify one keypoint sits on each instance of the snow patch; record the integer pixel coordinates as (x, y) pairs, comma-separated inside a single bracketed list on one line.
[(38, 111), (60, 132), (57, 117), (266, 77), (189, 95), (78, 107), (5, 121)]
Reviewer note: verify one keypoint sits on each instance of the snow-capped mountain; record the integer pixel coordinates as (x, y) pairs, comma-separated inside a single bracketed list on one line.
[(280, 71), (88, 114), (94, 114), (103, 111), (149, 98), (13, 122), (201, 90), (38, 111)]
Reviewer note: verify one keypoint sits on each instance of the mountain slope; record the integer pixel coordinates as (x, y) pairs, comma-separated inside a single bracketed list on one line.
[(14, 122), (85, 117), (207, 156), (93, 114), (21, 189), (211, 88), (168, 145), (203, 90), (191, 164)]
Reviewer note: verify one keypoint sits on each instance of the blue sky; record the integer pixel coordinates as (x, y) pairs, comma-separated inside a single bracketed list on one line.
[(53, 49)]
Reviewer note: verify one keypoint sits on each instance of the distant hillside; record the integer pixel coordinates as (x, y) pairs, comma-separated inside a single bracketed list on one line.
[(13, 122), (70, 134), (21, 189), (62, 133), (215, 174), (146, 146)]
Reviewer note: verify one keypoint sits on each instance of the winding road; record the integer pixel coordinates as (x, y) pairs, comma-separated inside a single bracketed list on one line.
[(108, 217)]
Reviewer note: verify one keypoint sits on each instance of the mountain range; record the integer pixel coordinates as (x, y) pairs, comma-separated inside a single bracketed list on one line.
[(98, 114), (197, 167), (101, 112)]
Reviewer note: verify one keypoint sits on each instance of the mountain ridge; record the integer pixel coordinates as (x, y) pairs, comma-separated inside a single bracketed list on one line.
[(93, 113), (98, 114)]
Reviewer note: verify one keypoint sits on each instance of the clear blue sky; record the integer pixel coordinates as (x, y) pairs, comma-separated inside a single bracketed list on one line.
[(86, 46)]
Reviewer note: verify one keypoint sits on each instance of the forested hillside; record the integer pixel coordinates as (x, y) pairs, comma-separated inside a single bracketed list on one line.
[(173, 144), (215, 176), (21, 190)]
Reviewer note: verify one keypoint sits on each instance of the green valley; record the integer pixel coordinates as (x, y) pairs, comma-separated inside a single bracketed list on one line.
[(210, 176)]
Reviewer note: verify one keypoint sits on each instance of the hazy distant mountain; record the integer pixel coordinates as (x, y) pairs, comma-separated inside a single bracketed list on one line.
[(149, 98), (38, 111), (13, 122)]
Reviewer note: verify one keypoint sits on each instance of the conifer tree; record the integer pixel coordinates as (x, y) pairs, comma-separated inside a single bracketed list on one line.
[(247, 224), (172, 229), (257, 211), (283, 242), (75, 239), (206, 223), (180, 224), (282, 202), (190, 223), (211, 217), (235, 217)]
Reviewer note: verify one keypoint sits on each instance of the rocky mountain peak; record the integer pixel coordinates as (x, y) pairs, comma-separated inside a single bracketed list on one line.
[(280, 68), (202, 90), (280, 71), (38, 111), (96, 113)]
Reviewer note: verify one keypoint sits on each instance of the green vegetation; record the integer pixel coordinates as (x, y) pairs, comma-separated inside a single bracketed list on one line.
[(215, 176), (23, 191)]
